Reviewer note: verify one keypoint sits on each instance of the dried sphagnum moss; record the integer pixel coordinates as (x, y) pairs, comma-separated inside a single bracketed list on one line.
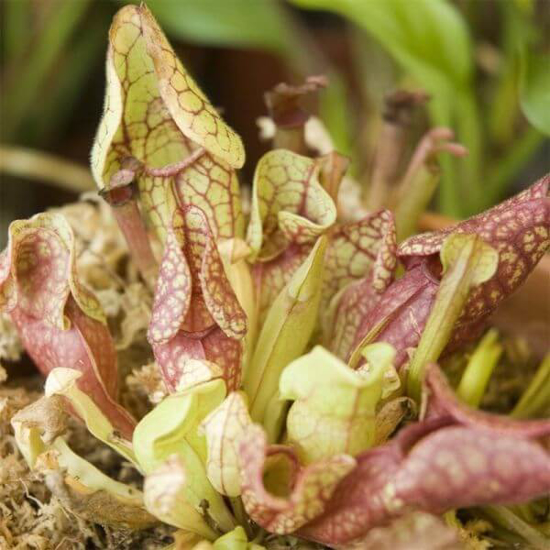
[(32, 518), (29, 516), (10, 345), (147, 381)]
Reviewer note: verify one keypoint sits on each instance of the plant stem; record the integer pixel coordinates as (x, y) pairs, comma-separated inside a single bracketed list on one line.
[(121, 198), (43, 167), (133, 228), (536, 397), (413, 200), (467, 261), (240, 515), (392, 144), (479, 369), (510, 521), (332, 173)]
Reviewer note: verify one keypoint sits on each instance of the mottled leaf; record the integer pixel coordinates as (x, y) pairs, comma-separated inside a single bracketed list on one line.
[(238, 270), (270, 277), (397, 316), (358, 504), (141, 65), (518, 229), (366, 248), (458, 467), (361, 264), (334, 407), (295, 505), (59, 321), (38, 271), (291, 207), (172, 292), (196, 314), (467, 262), (432, 467), (224, 428), (414, 531)]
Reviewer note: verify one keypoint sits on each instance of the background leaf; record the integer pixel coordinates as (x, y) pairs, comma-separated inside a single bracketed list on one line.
[(535, 89), (258, 24), (430, 41)]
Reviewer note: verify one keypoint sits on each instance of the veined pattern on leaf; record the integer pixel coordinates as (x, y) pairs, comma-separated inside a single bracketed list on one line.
[(518, 229), (333, 412), (61, 324), (196, 315), (194, 114), (155, 113), (459, 466), (224, 428), (355, 289), (357, 504), (303, 501), (172, 293), (358, 246), (433, 467), (272, 276), (86, 346), (38, 270), (488, 225), (413, 531), (288, 205), (348, 309), (219, 297), (290, 208), (401, 312)]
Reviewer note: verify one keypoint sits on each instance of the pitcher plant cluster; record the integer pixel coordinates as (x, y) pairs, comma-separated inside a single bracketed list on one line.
[(294, 331)]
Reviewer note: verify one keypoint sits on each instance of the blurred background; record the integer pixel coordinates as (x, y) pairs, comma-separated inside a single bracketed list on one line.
[(485, 64)]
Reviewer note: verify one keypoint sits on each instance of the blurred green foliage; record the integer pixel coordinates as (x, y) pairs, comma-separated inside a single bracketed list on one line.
[(431, 41), (535, 89), (491, 87), (45, 65), (236, 23)]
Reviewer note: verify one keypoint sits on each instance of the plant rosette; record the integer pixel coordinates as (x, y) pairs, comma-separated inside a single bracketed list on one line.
[(293, 341)]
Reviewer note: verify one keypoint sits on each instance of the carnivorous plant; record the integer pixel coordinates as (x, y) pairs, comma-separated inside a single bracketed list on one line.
[(291, 331)]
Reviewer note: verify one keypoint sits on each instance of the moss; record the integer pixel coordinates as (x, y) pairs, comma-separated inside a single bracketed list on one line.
[(31, 517)]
